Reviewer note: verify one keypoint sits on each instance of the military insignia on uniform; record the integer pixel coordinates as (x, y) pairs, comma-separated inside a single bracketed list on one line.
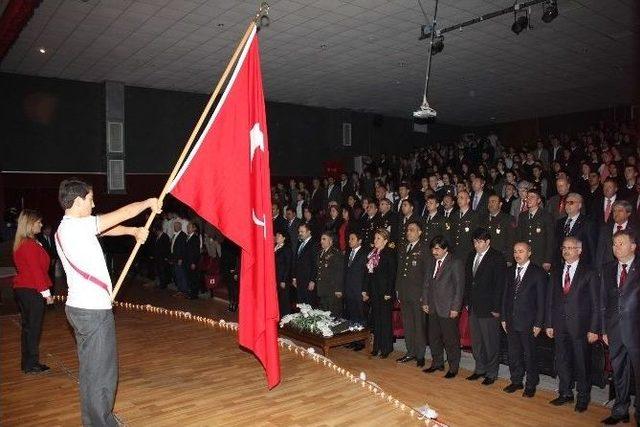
[(538, 230), (466, 229), (447, 226), (392, 245), (326, 264), (414, 263), (497, 231)]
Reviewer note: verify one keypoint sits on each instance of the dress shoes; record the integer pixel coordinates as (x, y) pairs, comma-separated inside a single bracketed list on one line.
[(581, 406), (450, 375), (488, 381), (610, 421), (561, 400), (474, 376), (529, 392), (350, 345), (420, 363), (384, 355), (512, 388), (375, 352), (431, 369), (358, 346), (405, 358), (36, 369)]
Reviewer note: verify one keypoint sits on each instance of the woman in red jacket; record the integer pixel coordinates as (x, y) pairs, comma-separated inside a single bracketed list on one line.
[(31, 286)]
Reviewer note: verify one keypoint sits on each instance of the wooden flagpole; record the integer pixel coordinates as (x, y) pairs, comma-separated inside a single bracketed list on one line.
[(254, 23)]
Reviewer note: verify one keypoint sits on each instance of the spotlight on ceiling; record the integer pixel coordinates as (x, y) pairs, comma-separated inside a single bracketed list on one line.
[(425, 111), (520, 24), (438, 45), (550, 11)]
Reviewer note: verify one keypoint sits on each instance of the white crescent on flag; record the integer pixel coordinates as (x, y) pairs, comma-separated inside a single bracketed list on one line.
[(257, 140), (260, 222)]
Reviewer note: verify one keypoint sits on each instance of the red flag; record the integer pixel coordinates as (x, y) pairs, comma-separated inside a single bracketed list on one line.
[(225, 180)]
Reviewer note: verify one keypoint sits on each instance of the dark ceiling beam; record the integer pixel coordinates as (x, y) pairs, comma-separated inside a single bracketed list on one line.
[(13, 20)]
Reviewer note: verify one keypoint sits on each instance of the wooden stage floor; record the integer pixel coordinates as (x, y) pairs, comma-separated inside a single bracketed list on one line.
[(180, 373)]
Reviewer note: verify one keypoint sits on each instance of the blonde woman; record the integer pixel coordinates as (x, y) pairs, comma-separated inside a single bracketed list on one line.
[(31, 286)]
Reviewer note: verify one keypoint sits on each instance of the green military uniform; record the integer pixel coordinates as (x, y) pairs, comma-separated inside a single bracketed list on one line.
[(329, 280), (502, 229), (462, 229), (538, 231), (401, 238)]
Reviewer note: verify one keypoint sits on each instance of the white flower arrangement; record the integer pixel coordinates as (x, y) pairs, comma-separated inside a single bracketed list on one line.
[(316, 321)]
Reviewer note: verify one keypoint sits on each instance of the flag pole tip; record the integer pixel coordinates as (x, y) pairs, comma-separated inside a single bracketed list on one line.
[(262, 17)]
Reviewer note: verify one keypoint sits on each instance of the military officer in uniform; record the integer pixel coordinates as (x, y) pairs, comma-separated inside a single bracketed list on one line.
[(389, 220), (501, 227), (413, 259), (465, 221), (537, 227), (370, 224), (329, 279), (408, 216), (433, 221)]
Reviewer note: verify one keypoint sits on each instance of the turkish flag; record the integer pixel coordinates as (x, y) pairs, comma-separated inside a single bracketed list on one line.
[(225, 179)]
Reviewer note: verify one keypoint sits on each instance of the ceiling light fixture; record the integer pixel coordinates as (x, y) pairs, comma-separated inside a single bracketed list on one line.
[(550, 11), (438, 45), (520, 21), (42, 50)]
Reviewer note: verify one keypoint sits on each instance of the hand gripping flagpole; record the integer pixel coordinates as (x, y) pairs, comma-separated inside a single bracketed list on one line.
[(261, 20)]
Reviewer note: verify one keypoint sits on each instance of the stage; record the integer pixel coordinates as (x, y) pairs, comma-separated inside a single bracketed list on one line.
[(176, 371)]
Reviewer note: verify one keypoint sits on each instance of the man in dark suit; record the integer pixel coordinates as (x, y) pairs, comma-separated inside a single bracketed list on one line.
[(464, 223), (522, 318), (408, 216), (305, 267), (500, 226), (317, 200), (292, 228), (578, 225), (370, 224), (573, 321), (355, 270), (403, 192), (556, 203), (413, 260), (433, 221), (178, 253), (536, 227), (620, 305), (333, 193), (46, 240), (485, 277), (160, 255), (603, 206), (629, 191), (442, 301), (330, 275), (192, 258), (279, 223), (621, 213), (480, 196)]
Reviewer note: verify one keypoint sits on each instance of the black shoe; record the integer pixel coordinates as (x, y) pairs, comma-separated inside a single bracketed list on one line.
[(581, 406), (36, 369), (375, 353), (431, 369), (512, 388), (609, 421), (405, 359), (420, 363), (384, 355), (561, 400), (358, 346), (474, 376), (529, 392), (488, 381), (350, 345), (450, 375)]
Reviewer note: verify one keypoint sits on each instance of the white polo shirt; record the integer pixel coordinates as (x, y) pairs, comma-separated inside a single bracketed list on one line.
[(80, 246)]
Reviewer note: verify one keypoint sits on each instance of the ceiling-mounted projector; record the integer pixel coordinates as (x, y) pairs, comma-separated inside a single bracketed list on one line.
[(425, 111)]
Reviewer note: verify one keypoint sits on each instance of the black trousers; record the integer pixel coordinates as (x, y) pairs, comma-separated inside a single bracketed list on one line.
[(31, 305), (572, 363), (232, 289), (354, 309), (415, 324), (194, 281), (485, 344), (163, 272), (625, 361), (444, 334), (283, 300), (380, 323), (331, 303), (522, 355)]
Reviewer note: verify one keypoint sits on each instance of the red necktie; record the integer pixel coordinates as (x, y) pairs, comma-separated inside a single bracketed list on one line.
[(623, 276), (561, 204), (607, 210), (618, 227), (567, 281), (438, 267)]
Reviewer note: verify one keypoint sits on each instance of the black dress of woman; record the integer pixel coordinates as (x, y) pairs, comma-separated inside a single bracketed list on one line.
[(283, 275), (381, 283)]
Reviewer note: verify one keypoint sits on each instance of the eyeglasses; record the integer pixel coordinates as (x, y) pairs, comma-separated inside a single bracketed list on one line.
[(570, 248), (571, 202)]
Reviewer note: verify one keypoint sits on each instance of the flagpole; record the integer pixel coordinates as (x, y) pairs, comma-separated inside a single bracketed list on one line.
[(260, 16)]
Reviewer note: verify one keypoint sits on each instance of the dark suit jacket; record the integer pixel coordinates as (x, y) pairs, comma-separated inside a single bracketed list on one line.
[(49, 246), (330, 273), (318, 200), (539, 232), (445, 292), (583, 229), (483, 203), (502, 229), (597, 206), (335, 195), (192, 252), (432, 228), (179, 246), (527, 310), (483, 292), (461, 231), (604, 251), (280, 224), (381, 281), (305, 266), (620, 307), (412, 268), (355, 274), (161, 249), (283, 264), (578, 312), (292, 234)]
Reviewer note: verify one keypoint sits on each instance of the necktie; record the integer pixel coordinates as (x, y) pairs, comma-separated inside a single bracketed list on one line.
[(607, 210), (476, 263), (517, 282), (567, 227), (475, 202), (567, 281), (523, 206), (561, 204), (409, 247), (353, 254), (618, 227), (623, 276), (437, 272), (301, 247)]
